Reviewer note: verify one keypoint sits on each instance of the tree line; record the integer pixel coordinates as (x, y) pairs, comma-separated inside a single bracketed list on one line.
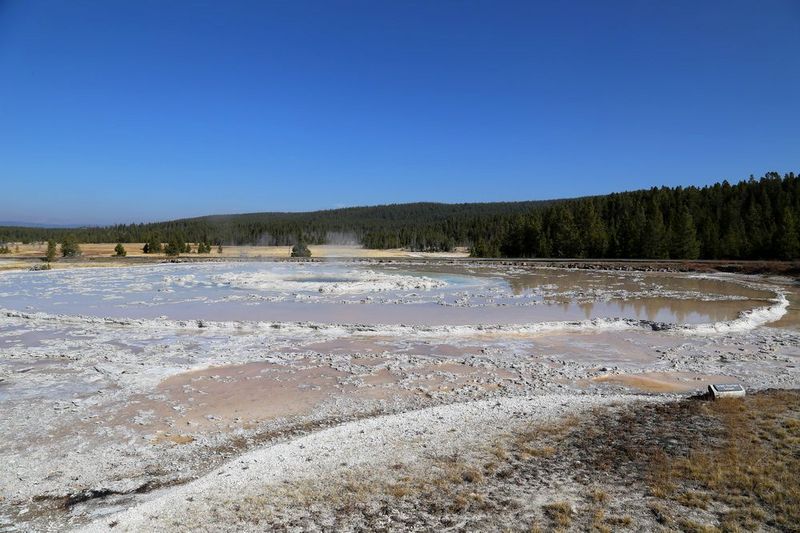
[(418, 226), (752, 219)]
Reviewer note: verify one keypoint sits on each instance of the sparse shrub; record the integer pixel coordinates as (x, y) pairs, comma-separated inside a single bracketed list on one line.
[(598, 521), (693, 499), (460, 503), (690, 526), (472, 475), (399, 490), (559, 512), (4, 249), (661, 513), (119, 250), (599, 496), (624, 520), (219, 248)]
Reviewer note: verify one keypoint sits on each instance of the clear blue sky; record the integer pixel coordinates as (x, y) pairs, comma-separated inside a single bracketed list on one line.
[(118, 111)]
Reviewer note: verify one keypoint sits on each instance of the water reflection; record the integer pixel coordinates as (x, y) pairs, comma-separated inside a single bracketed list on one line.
[(652, 309), (451, 294), (546, 280)]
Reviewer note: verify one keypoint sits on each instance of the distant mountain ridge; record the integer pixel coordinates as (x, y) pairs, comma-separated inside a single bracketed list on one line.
[(19, 224)]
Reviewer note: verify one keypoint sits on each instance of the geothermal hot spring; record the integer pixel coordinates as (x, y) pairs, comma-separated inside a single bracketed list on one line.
[(385, 294), (119, 381)]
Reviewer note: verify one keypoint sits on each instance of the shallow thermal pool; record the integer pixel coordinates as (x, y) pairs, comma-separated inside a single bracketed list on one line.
[(376, 293)]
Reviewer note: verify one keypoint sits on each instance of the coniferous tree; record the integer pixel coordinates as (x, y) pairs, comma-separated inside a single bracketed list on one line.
[(174, 247), (153, 245), (70, 247), (654, 240), (300, 250), (788, 244), (593, 231), (566, 237), (733, 243), (482, 248), (684, 237), (50, 254)]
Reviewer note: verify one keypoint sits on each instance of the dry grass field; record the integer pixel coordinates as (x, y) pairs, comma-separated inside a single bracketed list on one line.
[(35, 251), (694, 466)]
